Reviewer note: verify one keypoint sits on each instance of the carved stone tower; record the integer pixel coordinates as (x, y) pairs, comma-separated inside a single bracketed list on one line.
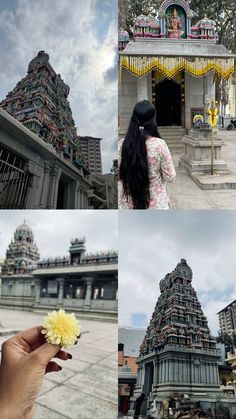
[(22, 254), (178, 353)]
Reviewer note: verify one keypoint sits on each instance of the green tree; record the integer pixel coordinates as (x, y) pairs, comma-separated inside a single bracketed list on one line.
[(114, 168)]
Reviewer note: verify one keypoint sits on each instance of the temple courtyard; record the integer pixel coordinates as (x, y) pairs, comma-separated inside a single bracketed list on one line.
[(185, 194), (87, 385)]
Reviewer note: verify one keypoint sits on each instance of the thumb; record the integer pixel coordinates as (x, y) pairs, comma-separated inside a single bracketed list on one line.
[(45, 353)]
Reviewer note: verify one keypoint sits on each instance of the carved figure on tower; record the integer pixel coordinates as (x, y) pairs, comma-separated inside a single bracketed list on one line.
[(174, 26)]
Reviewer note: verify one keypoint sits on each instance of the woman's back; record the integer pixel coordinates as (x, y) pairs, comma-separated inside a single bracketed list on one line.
[(161, 170)]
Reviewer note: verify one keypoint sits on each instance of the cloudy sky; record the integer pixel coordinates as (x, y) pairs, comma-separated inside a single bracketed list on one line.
[(53, 230), (152, 243), (81, 39)]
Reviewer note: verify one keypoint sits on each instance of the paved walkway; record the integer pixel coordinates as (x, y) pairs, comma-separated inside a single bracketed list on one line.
[(185, 194), (86, 387)]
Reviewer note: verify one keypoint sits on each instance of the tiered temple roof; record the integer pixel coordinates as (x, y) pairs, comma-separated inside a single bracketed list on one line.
[(171, 43), (40, 102), (178, 317), (22, 254)]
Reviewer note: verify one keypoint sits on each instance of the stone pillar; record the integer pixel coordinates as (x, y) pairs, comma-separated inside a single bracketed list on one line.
[(38, 290), (53, 190), (45, 185), (61, 282), (88, 295), (155, 365), (142, 88), (171, 370)]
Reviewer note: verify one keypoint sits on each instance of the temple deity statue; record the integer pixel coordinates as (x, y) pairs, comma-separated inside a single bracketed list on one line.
[(174, 27)]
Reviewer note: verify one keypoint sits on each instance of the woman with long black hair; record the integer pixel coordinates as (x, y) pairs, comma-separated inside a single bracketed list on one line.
[(145, 163)]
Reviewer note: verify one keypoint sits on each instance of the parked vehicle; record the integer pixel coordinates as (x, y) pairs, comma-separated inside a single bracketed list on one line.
[(231, 125)]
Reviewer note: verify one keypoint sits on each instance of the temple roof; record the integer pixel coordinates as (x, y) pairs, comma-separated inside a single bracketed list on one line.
[(24, 227), (176, 48)]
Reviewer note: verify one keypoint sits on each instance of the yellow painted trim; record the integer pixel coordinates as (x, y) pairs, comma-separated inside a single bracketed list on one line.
[(170, 66)]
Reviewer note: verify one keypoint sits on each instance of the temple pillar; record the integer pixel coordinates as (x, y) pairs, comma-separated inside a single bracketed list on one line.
[(37, 290), (142, 88), (88, 295), (155, 372), (53, 190), (45, 185), (171, 370), (61, 282)]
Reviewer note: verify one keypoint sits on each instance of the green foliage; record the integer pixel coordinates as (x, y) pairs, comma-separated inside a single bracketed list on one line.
[(222, 11), (114, 168), (228, 341)]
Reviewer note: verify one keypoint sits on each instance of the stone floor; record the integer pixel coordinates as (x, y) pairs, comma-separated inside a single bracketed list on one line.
[(86, 387), (185, 194)]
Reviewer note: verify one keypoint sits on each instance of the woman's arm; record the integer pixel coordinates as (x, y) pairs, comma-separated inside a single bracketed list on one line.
[(26, 357), (167, 165)]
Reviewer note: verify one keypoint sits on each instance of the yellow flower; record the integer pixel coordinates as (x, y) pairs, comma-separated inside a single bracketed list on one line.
[(60, 328)]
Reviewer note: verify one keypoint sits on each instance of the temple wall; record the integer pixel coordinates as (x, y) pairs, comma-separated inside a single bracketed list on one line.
[(44, 168), (18, 287), (196, 89), (131, 90), (127, 99)]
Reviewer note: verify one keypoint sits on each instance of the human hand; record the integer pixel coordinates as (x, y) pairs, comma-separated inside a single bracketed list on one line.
[(25, 359)]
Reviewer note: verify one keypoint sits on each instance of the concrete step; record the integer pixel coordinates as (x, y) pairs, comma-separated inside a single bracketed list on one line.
[(172, 136)]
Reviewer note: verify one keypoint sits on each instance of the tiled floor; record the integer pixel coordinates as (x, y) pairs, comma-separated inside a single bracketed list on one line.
[(185, 194), (86, 387)]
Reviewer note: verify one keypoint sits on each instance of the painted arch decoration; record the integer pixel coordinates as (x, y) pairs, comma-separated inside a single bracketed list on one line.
[(184, 16), (167, 3), (170, 66)]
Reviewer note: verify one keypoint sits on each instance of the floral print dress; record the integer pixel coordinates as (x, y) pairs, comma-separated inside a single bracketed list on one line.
[(161, 171)]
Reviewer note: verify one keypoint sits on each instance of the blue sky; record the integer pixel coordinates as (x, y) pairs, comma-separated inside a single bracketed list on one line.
[(151, 243), (81, 39)]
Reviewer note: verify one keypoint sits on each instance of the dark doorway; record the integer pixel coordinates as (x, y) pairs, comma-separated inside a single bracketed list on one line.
[(62, 197), (148, 378), (168, 103)]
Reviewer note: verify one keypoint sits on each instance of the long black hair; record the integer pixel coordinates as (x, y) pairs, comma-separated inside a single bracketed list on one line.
[(133, 170)]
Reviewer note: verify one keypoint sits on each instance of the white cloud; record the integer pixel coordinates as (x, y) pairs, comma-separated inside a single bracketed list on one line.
[(152, 243), (82, 49), (53, 230)]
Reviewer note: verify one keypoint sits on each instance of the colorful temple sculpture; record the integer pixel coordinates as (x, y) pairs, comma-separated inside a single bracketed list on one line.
[(40, 102), (41, 162), (22, 254), (172, 60), (83, 282), (44, 163), (178, 354)]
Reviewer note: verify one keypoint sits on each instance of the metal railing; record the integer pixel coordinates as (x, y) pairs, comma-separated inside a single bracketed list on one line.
[(14, 181)]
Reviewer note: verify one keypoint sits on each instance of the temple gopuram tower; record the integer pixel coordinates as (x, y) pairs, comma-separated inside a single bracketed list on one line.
[(40, 102), (22, 254), (178, 354)]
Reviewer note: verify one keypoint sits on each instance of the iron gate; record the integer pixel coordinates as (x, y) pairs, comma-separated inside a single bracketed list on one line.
[(14, 181)]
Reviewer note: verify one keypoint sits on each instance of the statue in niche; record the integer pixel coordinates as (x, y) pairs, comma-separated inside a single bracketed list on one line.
[(175, 23)]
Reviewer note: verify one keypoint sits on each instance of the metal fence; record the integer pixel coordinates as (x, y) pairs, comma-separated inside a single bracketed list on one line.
[(14, 181)]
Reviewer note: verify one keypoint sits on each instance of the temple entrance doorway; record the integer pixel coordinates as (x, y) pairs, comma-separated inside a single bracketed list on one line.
[(148, 378), (168, 103), (62, 197)]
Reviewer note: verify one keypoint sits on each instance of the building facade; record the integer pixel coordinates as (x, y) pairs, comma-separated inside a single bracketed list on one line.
[(172, 61), (129, 341), (227, 319), (41, 161), (41, 157), (178, 354), (91, 151), (85, 283)]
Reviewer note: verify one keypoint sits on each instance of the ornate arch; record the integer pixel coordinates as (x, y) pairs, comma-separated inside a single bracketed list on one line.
[(167, 3)]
